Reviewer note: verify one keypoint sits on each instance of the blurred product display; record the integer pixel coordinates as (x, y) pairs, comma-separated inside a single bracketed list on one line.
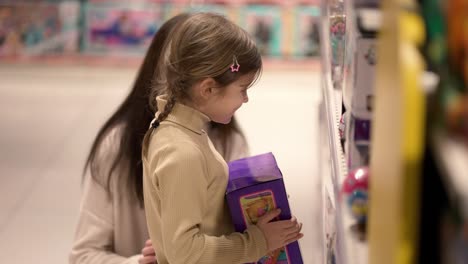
[(393, 126), (38, 27), (355, 193), (115, 29), (395, 104)]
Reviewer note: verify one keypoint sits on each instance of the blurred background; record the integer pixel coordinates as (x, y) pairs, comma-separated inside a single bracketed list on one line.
[(65, 66), (92, 30), (364, 104)]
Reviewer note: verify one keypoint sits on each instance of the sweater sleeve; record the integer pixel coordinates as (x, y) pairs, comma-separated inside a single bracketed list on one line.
[(181, 178), (93, 241)]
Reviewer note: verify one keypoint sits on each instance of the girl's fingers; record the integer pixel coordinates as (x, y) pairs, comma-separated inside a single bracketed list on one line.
[(296, 228), (293, 219), (269, 216), (294, 238)]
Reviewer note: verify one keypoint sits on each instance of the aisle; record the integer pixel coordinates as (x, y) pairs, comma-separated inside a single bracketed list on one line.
[(49, 116)]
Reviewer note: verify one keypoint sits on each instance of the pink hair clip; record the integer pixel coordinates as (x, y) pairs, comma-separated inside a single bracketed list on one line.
[(235, 65)]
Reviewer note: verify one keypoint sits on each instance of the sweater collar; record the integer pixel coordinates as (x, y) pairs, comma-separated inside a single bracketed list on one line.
[(184, 115)]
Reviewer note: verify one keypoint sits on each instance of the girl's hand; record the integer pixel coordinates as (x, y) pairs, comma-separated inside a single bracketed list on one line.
[(279, 233), (149, 256)]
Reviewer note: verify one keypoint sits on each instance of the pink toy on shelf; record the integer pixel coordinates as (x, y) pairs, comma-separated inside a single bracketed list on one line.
[(355, 192)]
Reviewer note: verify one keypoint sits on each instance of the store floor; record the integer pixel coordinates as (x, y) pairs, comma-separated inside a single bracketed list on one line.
[(49, 116)]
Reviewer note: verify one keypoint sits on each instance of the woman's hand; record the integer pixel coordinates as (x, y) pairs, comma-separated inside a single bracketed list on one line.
[(149, 256)]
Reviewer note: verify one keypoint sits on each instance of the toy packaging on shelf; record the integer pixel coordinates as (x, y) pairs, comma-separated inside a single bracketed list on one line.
[(38, 28), (307, 31), (355, 193), (125, 28), (218, 9), (358, 89), (357, 142), (255, 187), (363, 91), (337, 33), (360, 104), (263, 22), (112, 28), (226, 10), (337, 30)]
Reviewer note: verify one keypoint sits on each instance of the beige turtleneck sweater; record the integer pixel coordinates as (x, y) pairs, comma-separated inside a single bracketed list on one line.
[(185, 181), (112, 229)]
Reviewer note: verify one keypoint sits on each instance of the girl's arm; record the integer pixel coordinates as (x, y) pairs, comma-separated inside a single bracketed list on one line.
[(94, 234)]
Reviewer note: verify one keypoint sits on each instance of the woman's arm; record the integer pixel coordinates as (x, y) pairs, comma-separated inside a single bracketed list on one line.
[(93, 241)]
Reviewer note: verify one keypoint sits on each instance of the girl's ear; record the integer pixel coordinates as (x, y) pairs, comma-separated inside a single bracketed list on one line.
[(206, 88)]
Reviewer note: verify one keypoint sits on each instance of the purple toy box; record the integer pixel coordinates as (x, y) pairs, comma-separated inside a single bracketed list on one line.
[(255, 187)]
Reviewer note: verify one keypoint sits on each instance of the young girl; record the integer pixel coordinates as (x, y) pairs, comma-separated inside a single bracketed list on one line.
[(112, 225), (209, 64)]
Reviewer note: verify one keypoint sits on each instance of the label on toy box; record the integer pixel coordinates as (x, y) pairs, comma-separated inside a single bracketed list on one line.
[(254, 206)]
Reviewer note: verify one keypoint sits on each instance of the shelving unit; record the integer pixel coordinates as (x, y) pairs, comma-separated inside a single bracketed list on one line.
[(409, 220), (348, 249)]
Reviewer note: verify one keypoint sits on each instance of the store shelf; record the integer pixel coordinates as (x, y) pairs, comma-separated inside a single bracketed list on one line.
[(452, 156), (349, 248)]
